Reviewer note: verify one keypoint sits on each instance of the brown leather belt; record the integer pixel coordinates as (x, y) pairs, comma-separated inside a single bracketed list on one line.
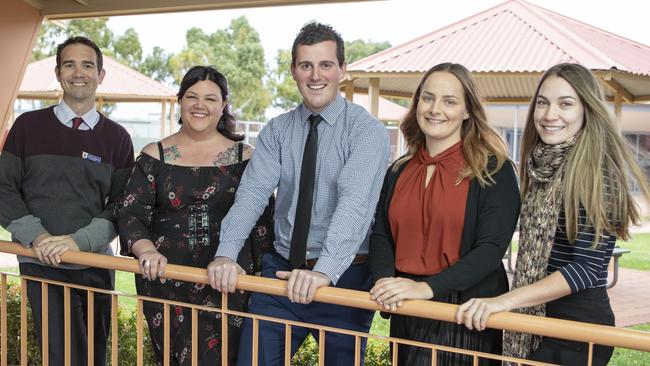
[(358, 259)]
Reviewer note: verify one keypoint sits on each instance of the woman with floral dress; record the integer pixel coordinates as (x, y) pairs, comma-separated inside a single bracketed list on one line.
[(179, 191)]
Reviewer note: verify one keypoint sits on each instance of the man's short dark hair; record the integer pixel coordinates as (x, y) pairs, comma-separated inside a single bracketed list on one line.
[(315, 32), (84, 41)]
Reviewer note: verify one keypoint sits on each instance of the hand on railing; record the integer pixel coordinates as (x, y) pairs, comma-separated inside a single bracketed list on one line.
[(152, 264), (49, 249), (390, 292), (302, 284), (475, 312), (223, 274)]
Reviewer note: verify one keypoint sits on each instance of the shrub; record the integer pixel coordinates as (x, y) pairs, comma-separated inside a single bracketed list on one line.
[(126, 333), (377, 354)]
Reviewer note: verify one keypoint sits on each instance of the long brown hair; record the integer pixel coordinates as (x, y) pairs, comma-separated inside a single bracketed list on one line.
[(597, 168), (480, 140)]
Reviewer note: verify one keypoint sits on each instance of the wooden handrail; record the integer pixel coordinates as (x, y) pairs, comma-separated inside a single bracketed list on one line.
[(548, 327)]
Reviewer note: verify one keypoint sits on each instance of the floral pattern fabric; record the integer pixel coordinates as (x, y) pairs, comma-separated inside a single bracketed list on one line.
[(180, 210)]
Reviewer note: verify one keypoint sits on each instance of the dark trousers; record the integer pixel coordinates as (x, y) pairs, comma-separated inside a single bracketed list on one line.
[(339, 348), (591, 306), (91, 277)]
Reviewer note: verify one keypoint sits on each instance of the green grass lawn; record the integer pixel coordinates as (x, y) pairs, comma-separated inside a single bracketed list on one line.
[(626, 357), (639, 257), (4, 234)]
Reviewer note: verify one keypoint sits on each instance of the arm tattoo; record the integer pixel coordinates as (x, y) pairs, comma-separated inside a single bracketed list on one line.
[(226, 157), (171, 153)]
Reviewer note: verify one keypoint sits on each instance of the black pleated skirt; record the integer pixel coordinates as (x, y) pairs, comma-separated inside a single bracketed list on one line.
[(590, 306), (445, 334)]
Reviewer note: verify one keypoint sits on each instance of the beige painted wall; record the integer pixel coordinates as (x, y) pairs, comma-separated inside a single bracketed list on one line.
[(19, 25)]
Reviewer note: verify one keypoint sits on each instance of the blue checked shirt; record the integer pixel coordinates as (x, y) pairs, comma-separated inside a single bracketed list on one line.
[(352, 158)]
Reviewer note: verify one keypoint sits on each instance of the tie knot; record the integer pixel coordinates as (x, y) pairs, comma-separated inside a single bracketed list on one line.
[(76, 122), (314, 119)]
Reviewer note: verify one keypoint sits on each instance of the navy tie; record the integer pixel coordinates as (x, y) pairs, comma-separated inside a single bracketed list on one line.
[(305, 196)]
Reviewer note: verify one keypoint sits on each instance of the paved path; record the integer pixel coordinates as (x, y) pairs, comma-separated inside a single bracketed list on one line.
[(630, 298)]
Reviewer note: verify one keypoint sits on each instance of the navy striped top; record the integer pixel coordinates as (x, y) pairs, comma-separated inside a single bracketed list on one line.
[(582, 265)]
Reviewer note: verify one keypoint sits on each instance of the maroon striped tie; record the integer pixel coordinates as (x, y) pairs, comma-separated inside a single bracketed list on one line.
[(76, 122)]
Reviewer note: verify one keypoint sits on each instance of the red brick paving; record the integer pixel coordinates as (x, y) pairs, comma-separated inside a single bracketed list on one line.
[(630, 298)]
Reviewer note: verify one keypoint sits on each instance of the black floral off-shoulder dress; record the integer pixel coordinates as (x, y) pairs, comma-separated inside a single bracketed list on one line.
[(180, 209)]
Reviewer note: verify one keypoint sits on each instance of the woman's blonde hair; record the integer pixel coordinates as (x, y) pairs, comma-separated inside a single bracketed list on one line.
[(597, 168), (480, 140)]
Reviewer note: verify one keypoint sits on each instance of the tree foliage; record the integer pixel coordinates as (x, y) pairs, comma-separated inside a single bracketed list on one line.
[(127, 48), (285, 91), (47, 41), (236, 52)]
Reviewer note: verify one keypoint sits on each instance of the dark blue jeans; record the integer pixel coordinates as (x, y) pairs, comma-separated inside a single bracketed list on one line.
[(339, 348)]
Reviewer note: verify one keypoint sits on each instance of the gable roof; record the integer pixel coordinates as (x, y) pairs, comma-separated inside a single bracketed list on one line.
[(121, 83), (512, 37)]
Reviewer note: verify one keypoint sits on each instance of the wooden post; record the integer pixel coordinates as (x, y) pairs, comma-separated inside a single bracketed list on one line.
[(618, 107), (349, 90), (163, 118), (373, 95), (172, 115), (100, 104)]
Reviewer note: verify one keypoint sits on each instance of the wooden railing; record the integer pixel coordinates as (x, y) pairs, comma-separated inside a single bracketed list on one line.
[(556, 328)]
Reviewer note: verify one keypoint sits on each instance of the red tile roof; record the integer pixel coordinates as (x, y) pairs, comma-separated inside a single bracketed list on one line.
[(120, 83), (514, 36)]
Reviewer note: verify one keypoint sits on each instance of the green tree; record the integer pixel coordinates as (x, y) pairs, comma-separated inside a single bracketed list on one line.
[(285, 91), (284, 87), (358, 49), (48, 38), (127, 48), (156, 66), (236, 52), (95, 29)]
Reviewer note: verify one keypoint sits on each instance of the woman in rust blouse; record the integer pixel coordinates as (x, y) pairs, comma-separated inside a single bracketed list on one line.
[(446, 215)]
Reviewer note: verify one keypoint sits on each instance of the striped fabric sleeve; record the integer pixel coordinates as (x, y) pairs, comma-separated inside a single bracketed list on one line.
[(583, 264)]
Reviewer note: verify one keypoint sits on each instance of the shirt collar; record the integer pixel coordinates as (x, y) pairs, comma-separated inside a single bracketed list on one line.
[(65, 114), (329, 113)]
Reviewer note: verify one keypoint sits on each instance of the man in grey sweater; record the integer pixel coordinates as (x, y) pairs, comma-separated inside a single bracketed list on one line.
[(62, 171)]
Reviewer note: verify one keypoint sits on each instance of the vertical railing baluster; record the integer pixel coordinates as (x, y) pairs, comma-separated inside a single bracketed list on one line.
[(395, 344), (90, 335), (321, 347), (67, 357), (224, 329), (434, 357), (45, 324), (475, 358), (3, 314), (114, 330), (357, 350), (166, 337), (591, 354), (23, 322), (256, 326), (139, 320), (287, 345), (195, 336)]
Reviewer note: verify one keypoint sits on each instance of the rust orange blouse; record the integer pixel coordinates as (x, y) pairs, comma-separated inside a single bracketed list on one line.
[(427, 221)]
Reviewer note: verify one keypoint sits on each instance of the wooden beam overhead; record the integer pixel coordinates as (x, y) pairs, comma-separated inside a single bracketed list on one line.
[(642, 99), (57, 9), (385, 93), (618, 88)]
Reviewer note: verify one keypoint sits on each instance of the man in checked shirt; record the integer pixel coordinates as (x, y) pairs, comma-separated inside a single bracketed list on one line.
[(327, 159)]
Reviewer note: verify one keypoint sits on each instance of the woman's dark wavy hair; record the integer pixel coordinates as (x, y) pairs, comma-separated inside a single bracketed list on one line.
[(227, 125)]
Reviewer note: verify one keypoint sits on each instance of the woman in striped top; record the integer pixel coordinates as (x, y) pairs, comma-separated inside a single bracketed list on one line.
[(575, 202)]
